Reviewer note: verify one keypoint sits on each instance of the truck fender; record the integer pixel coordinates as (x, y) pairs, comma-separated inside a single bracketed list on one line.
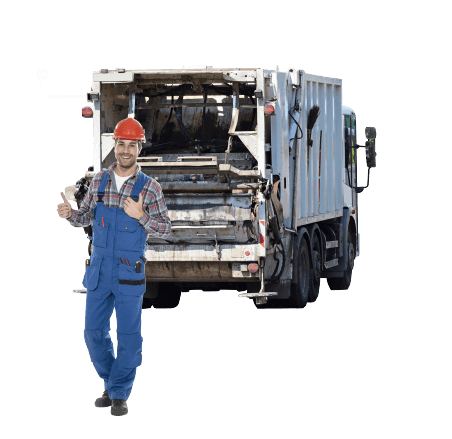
[(343, 260), (301, 233), (322, 241)]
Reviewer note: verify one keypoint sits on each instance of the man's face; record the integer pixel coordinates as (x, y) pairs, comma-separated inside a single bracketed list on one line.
[(126, 152)]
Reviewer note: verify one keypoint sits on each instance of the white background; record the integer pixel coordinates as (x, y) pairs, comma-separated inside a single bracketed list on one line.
[(370, 362)]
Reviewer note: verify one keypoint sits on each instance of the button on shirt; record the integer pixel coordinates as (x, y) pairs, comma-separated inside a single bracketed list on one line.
[(155, 221)]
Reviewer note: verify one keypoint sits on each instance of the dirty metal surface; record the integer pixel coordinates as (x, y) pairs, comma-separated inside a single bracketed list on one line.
[(204, 252), (237, 159), (197, 271), (241, 232), (241, 271), (249, 139), (186, 167), (205, 208), (193, 105), (205, 186), (113, 77), (184, 75), (159, 118), (204, 213)]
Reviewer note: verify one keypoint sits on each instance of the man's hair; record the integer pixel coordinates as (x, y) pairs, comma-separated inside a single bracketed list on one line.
[(139, 143)]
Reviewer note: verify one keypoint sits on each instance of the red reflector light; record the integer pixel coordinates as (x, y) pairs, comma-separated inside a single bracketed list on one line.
[(253, 267), (247, 253), (87, 112), (269, 109)]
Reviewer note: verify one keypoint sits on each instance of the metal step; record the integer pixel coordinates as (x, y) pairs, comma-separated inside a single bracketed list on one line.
[(331, 244), (332, 263), (263, 294)]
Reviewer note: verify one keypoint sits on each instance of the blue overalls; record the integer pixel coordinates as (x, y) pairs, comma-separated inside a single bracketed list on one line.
[(112, 284)]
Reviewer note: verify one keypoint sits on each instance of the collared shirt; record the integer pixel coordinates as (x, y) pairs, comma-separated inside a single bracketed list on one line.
[(155, 221)]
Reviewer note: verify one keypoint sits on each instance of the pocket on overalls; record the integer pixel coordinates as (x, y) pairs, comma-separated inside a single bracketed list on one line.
[(100, 232), (91, 278), (131, 283), (129, 235)]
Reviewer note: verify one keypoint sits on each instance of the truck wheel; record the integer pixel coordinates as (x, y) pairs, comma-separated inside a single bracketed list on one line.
[(342, 283), (316, 269), (168, 296), (147, 303), (300, 291)]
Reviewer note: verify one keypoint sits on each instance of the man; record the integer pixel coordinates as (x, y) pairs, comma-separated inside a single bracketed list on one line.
[(125, 206)]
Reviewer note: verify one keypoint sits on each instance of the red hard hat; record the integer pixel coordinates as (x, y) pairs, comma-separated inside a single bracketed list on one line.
[(129, 129)]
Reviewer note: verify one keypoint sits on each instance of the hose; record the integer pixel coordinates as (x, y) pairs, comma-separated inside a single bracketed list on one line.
[(178, 116), (276, 278), (273, 223), (298, 127), (167, 120)]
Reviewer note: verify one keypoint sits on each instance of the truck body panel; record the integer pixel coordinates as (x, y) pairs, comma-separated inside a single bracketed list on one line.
[(230, 173)]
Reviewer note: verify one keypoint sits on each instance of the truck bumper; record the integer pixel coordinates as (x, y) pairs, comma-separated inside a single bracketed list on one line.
[(201, 263)]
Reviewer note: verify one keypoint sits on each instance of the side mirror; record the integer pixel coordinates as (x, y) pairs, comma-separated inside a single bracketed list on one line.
[(371, 134)]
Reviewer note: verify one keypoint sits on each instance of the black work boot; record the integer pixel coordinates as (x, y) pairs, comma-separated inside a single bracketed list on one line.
[(118, 407), (103, 401)]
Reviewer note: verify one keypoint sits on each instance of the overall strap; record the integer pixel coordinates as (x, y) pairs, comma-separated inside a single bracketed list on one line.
[(101, 189), (139, 185)]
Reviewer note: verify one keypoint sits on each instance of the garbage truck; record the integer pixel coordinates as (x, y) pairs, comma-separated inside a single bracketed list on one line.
[(259, 173)]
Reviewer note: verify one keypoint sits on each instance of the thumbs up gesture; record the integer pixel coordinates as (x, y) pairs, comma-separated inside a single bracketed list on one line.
[(134, 209), (64, 209)]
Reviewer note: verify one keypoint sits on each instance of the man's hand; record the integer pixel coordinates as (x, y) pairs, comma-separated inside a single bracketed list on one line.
[(64, 209), (134, 209)]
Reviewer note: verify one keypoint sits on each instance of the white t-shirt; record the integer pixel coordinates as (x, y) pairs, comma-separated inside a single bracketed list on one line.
[(120, 181)]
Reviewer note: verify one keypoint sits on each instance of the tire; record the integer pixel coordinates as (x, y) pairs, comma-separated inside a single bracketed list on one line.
[(299, 292), (168, 296), (342, 283), (147, 303), (273, 304), (314, 287)]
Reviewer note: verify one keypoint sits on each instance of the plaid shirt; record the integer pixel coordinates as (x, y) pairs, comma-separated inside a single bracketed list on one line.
[(155, 221)]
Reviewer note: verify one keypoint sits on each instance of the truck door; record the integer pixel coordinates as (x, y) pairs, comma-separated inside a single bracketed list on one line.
[(350, 155)]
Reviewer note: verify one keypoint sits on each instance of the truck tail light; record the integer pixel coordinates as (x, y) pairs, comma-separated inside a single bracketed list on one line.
[(253, 267), (269, 109), (87, 112)]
